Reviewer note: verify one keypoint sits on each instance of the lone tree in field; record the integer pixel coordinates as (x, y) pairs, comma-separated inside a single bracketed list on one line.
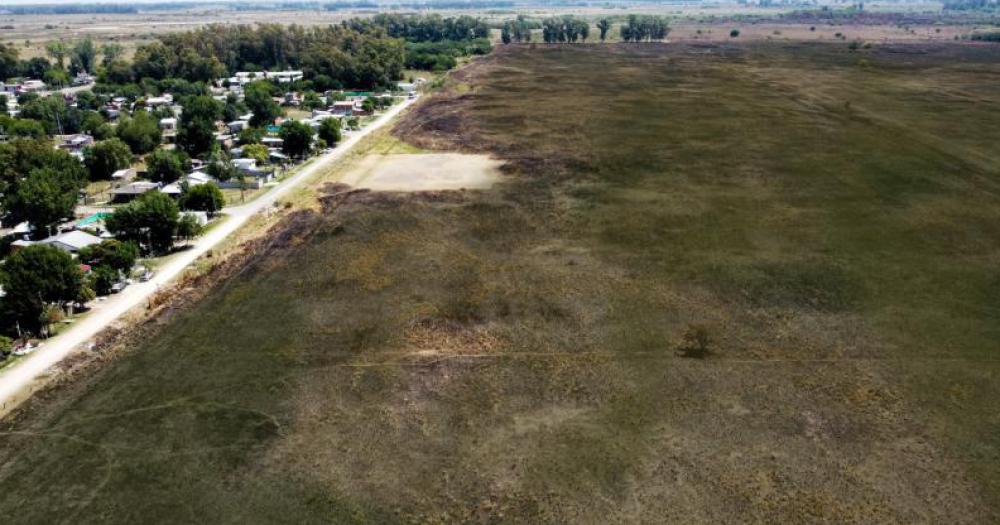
[(695, 342), (603, 25), (734, 33)]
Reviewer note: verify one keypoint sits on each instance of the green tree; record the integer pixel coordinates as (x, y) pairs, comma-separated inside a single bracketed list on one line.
[(603, 25), (734, 33), (296, 138), (35, 277), (188, 227), (150, 221), (250, 135), (203, 197), (311, 100), (34, 67), (102, 279), (85, 54), (233, 108), (257, 152), (329, 130), (8, 61), (196, 133), (56, 78), (117, 72), (166, 165), (58, 51), (106, 157), (221, 167), (154, 60), (141, 132), (118, 255), (20, 157), (111, 52), (46, 197), (258, 97), (54, 114)]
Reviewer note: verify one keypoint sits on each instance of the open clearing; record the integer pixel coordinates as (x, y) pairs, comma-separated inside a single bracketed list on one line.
[(424, 172), (508, 355)]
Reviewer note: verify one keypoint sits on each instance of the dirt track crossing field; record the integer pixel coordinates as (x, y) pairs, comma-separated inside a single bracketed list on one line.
[(511, 354)]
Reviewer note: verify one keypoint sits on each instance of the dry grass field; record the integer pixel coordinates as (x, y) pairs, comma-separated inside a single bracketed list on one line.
[(830, 218)]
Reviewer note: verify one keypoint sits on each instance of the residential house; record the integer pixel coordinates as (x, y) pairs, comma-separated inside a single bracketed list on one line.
[(237, 126), (131, 191), (123, 175), (164, 100), (168, 125), (29, 86), (342, 108), (72, 241), (195, 178), (74, 144)]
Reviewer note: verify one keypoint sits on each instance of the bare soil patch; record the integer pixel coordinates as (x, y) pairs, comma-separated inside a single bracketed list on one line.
[(424, 172)]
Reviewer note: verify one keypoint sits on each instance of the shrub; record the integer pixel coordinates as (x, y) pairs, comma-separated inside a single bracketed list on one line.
[(695, 342), (734, 33)]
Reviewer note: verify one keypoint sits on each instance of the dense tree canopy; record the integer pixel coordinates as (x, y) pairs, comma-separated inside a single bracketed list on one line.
[(329, 131), (8, 61), (347, 56), (106, 157), (117, 255), (564, 29), (296, 138), (34, 277), (19, 159), (141, 132), (150, 221), (644, 28), (46, 197), (203, 197), (54, 114), (258, 98), (428, 28), (166, 165), (196, 132)]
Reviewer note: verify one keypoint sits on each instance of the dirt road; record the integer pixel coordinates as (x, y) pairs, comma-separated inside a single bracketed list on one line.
[(20, 380)]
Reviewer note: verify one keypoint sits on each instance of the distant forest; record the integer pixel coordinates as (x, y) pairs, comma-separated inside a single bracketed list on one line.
[(369, 52)]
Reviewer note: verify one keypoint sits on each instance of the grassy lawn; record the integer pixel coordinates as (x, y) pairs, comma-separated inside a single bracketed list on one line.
[(832, 219)]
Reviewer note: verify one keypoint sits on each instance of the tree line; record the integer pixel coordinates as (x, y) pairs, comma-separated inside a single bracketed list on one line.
[(427, 28), (569, 29)]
